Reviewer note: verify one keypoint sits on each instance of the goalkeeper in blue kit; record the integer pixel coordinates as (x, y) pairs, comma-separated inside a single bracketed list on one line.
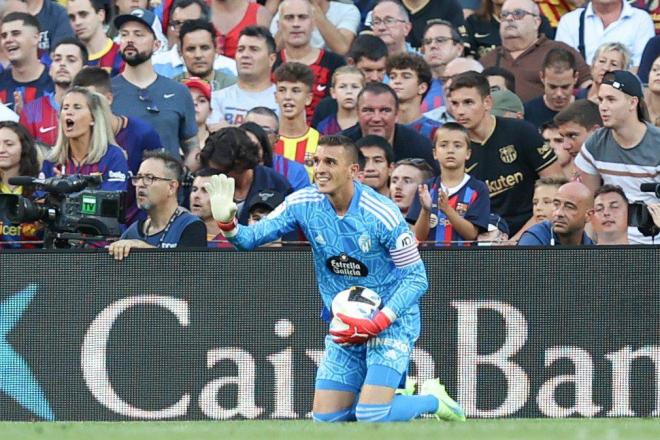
[(358, 237)]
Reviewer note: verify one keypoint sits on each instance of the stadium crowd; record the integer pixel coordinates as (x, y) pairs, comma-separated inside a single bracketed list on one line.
[(488, 121)]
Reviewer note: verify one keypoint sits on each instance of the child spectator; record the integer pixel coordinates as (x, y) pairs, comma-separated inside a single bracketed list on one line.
[(347, 81), (544, 192), (453, 207)]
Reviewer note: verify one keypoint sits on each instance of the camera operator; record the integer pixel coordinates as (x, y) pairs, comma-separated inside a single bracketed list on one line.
[(18, 157), (85, 141), (167, 224)]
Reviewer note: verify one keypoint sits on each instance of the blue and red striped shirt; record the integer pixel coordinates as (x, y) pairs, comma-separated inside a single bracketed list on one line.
[(41, 118)]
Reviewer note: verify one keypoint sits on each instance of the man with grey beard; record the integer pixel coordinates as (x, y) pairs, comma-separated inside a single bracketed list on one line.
[(141, 93)]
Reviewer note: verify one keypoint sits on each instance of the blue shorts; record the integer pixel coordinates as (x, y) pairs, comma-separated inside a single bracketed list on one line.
[(347, 365)]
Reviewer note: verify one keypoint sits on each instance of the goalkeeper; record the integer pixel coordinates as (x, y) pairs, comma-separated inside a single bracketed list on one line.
[(358, 237)]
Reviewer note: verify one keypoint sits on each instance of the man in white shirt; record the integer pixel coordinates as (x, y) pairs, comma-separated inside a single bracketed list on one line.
[(607, 21)]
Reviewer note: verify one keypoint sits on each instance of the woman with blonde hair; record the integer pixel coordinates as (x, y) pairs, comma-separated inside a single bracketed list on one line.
[(85, 142), (608, 58)]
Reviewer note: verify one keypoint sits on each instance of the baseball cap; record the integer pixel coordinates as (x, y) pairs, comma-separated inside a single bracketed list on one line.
[(624, 81), (267, 198), (144, 16), (496, 222), (506, 101), (195, 82)]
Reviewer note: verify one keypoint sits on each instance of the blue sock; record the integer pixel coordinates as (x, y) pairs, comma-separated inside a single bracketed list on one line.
[(401, 409), (343, 415)]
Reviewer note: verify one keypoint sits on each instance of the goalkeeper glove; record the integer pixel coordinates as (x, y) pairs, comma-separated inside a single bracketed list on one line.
[(221, 197), (360, 330)]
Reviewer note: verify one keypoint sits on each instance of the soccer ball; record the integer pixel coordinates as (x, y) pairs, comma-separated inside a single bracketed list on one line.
[(355, 302)]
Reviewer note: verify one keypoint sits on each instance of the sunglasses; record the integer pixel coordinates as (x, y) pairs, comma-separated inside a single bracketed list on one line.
[(144, 96)]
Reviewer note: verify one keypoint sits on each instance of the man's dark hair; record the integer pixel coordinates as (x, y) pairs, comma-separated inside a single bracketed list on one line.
[(414, 62), (509, 77), (295, 72), (206, 12), (373, 140), (376, 88), (607, 188), (172, 164), (102, 5), (262, 33), (583, 112), (349, 146), (367, 46), (549, 125), (455, 35), (230, 149), (27, 19), (470, 80), (96, 77), (84, 54), (559, 60), (189, 26), (262, 138), (207, 172)]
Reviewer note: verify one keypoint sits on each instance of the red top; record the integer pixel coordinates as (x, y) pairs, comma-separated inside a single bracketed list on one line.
[(227, 43)]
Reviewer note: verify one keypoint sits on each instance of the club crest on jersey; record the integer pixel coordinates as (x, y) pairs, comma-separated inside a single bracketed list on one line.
[(308, 159), (433, 221), (365, 243), (544, 150), (346, 266), (508, 154), (461, 209)]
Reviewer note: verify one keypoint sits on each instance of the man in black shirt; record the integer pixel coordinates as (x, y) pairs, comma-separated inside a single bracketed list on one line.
[(378, 107), (421, 11), (507, 154)]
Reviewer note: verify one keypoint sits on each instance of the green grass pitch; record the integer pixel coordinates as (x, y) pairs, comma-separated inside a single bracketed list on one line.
[(504, 429)]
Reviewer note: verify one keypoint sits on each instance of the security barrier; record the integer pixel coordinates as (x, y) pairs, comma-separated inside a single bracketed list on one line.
[(515, 332)]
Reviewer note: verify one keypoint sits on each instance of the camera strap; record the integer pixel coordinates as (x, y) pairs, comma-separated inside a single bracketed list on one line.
[(164, 232)]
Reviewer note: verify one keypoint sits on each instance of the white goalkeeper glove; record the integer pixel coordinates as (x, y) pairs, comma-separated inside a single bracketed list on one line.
[(221, 197)]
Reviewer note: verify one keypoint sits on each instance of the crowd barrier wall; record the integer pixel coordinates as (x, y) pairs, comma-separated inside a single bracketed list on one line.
[(512, 332)]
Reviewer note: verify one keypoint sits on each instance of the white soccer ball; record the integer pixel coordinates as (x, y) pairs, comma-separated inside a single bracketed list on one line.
[(356, 302)]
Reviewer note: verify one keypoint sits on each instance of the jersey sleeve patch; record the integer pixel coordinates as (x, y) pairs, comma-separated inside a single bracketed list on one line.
[(405, 252)]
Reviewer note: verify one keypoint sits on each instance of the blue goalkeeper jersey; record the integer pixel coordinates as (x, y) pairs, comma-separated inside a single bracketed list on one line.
[(370, 246)]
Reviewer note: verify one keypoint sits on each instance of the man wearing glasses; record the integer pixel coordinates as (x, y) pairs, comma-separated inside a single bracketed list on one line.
[(142, 93), (167, 224), (390, 23), (522, 51)]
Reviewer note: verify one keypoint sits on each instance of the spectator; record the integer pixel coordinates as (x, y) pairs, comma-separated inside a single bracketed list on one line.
[(651, 52), (85, 141), (606, 21), (233, 153), (653, 93), (142, 93), (390, 22), (407, 175), (198, 39), (347, 81), (88, 19), (18, 157), (53, 22), (454, 67), (296, 31), (170, 63), (452, 208), (200, 91), (378, 162), (422, 12), (558, 76), (441, 43), (522, 51), (335, 25), (133, 135), (27, 79), (201, 207), (501, 78), (623, 152), (41, 115), (262, 204), (230, 17), (378, 108), (575, 124), (506, 104), (544, 192), (573, 208), (507, 154), (167, 224), (255, 56), (482, 29), (267, 120), (550, 133), (294, 82), (610, 218), (497, 233), (126, 7), (608, 57), (410, 77), (6, 8)]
